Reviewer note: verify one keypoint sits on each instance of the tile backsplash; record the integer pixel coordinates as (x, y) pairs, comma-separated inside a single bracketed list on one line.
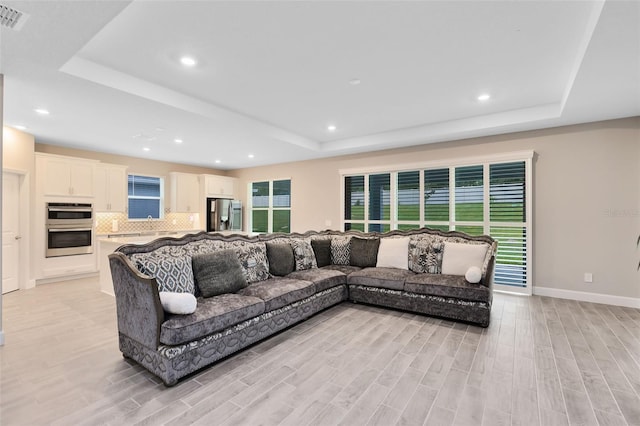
[(105, 222)]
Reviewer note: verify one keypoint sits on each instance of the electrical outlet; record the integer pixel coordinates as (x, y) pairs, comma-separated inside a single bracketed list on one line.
[(588, 277)]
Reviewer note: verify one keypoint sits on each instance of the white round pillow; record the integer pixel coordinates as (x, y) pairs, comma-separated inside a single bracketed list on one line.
[(178, 303), (473, 275)]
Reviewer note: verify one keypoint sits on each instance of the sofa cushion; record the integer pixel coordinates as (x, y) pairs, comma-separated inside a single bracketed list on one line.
[(322, 250), (321, 278), (393, 253), (425, 255), (303, 254), (458, 257), (277, 292), (391, 278), (340, 250), (280, 257), (218, 272), (253, 258), (447, 286), (345, 269), (364, 252), (173, 274), (212, 315)]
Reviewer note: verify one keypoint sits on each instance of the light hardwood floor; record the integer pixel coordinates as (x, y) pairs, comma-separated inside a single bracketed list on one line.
[(542, 361)]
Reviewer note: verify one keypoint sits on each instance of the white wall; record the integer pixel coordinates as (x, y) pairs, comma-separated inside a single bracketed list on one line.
[(586, 197)]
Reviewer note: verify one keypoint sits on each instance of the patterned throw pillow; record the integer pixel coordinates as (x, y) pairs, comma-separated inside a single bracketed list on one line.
[(418, 253), (303, 254), (340, 250), (173, 274), (253, 258)]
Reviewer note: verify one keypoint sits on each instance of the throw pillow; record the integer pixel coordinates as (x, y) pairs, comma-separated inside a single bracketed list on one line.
[(280, 257), (340, 250), (393, 253), (253, 258), (473, 275), (218, 272), (322, 250), (172, 274), (364, 252), (178, 303), (459, 257), (304, 256)]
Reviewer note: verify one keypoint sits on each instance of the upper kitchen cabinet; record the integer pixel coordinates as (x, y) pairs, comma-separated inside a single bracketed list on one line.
[(219, 186), (111, 188), (65, 176), (185, 194)]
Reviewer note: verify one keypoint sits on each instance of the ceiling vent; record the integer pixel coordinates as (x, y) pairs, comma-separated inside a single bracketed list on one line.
[(12, 18)]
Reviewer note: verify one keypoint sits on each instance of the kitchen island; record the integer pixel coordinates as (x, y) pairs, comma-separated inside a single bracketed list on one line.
[(107, 244)]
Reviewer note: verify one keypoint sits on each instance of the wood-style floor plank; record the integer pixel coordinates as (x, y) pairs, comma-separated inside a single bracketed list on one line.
[(542, 361)]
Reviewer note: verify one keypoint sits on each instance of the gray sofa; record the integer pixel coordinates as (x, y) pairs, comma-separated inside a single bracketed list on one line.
[(289, 277)]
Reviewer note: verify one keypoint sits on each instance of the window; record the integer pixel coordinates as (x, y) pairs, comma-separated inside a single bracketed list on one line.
[(489, 197), (271, 206), (145, 197)]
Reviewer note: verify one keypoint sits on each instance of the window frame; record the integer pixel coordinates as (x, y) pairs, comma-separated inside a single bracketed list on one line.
[(270, 209), (161, 198), (453, 224)]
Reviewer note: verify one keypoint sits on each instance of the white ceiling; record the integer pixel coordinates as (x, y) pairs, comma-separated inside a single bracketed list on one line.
[(271, 76)]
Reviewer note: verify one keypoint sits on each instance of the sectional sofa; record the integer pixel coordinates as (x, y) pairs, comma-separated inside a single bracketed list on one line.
[(183, 303)]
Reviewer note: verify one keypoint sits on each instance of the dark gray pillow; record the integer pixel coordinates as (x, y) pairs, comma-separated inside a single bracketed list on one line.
[(322, 250), (364, 252), (281, 260), (217, 273)]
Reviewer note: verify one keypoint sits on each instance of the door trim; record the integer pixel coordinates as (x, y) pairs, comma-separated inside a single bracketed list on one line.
[(24, 273)]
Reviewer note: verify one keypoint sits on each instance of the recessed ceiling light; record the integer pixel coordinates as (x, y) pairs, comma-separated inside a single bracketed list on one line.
[(20, 127), (188, 61), (484, 97), (147, 149), (41, 111), (218, 161), (331, 128), (177, 140), (354, 81), (251, 155)]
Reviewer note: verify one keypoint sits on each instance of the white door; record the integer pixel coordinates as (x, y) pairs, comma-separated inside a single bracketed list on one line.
[(10, 231)]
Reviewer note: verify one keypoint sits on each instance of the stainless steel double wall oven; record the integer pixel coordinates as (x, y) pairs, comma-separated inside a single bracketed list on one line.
[(69, 229)]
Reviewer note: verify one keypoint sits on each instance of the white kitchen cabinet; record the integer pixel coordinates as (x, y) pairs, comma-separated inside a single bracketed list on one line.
[(219, 186), (66, 176), (111, 188), (185, 193)]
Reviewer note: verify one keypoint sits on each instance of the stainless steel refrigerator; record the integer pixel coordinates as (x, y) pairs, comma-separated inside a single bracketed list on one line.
[(224, 215)]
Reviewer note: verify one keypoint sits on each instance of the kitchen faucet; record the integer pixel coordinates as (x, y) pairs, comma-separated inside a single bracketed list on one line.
[(149, 221)]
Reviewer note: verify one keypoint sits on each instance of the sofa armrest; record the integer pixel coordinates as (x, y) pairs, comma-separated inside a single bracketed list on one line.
[(138, 306), (487, 279)]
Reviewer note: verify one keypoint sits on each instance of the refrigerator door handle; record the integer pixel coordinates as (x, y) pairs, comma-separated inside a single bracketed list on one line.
[(230, 213)]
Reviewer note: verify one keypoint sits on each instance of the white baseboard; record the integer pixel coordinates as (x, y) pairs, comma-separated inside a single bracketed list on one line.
[(583, 296)]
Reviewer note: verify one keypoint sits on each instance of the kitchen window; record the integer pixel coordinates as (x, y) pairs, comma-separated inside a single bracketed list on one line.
[(145, 197), (271, 206)]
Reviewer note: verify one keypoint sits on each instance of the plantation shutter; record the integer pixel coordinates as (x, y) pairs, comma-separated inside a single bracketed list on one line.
[(436, 195), (507, 211)]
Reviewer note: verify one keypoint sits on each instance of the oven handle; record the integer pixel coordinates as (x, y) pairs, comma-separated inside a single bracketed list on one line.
[(81, 209), (68, 229)]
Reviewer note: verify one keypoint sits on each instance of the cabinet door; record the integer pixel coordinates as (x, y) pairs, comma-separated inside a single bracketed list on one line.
[(184, 193), (101, 201), (117, 190), (219, 186), (57, 177), (82, 179)]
